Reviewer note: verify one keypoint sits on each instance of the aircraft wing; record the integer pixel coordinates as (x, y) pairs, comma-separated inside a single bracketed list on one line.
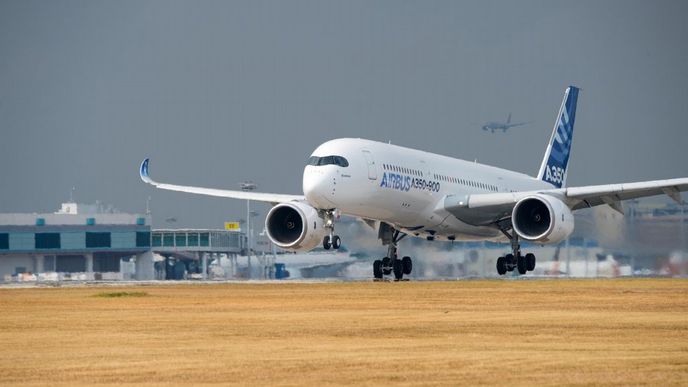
[(256, 196), (590, 196), (484, 209)]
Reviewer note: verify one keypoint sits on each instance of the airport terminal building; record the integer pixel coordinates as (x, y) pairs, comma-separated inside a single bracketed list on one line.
[(74, 240), (82, 242)]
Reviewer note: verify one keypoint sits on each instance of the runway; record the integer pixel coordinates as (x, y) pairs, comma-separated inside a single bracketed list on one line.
[(622, 331)]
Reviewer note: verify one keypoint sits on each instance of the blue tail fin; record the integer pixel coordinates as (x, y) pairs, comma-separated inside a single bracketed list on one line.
[(554, 165)]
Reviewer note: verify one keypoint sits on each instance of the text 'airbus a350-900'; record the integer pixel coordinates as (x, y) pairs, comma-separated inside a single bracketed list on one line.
[(407, 192)]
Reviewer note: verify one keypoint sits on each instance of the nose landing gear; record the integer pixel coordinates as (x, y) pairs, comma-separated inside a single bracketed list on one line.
[(331, 241)]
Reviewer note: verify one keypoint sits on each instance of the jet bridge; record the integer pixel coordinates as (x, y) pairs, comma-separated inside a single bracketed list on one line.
[(188, 251)]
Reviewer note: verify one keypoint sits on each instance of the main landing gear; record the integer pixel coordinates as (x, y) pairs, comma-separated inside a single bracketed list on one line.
[(391, 263), (331, 240), (513, 261)]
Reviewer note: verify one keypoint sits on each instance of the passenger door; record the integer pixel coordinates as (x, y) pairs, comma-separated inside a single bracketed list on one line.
[(372, 170)]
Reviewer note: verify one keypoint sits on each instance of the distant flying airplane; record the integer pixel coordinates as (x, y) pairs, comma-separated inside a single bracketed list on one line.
[(401, 191), (503, 126)]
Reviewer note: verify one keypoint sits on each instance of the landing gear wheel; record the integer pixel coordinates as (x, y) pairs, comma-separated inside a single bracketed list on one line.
[(510, 262), (530, 261), (386, 266), (522, 265), (501, 266), (377, 269), (398, 270), (326, 242), (406, 265), (336, 242)]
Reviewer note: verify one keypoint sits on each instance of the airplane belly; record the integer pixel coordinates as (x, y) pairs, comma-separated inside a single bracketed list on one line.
[(465, 232), (379, 206)]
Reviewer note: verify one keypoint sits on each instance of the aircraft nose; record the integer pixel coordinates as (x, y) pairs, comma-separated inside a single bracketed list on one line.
[(316, 187)]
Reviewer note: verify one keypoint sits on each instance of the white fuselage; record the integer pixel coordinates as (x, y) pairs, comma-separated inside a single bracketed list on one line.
[(405, 187)]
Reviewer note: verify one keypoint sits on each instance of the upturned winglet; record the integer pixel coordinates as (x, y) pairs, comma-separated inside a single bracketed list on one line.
[(143, 172)]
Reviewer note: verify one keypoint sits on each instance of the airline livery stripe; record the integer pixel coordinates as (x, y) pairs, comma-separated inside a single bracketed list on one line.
[(565, 115), (557, 137), (564, 133)]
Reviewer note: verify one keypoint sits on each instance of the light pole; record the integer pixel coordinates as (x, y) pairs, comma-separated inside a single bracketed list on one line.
[(634, 209), (683, 226), (248, 186), (252, 214)]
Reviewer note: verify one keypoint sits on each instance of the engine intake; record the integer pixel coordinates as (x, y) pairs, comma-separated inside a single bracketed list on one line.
[(542, 218), (295, 226)]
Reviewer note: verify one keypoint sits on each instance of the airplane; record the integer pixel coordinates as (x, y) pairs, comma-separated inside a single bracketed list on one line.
[(503, 126), (407, 192)]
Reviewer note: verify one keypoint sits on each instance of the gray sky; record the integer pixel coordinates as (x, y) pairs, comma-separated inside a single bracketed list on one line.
[(216, 92)]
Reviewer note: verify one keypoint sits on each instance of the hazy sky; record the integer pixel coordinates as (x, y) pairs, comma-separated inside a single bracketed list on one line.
[(216, 92)]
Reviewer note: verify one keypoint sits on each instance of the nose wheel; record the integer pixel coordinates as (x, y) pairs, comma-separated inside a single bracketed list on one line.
[(331, 241)]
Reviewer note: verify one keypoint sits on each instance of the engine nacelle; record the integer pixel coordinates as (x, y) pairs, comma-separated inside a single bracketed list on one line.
[(542, 218), (295, 226)]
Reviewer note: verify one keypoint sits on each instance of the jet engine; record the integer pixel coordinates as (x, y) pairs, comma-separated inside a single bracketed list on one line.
[(542, 218), (295, 226)]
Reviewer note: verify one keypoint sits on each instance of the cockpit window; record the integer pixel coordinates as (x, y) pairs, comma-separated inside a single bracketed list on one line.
[(328, 160)]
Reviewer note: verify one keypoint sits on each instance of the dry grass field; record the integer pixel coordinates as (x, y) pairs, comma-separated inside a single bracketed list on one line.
[(549, 332)]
